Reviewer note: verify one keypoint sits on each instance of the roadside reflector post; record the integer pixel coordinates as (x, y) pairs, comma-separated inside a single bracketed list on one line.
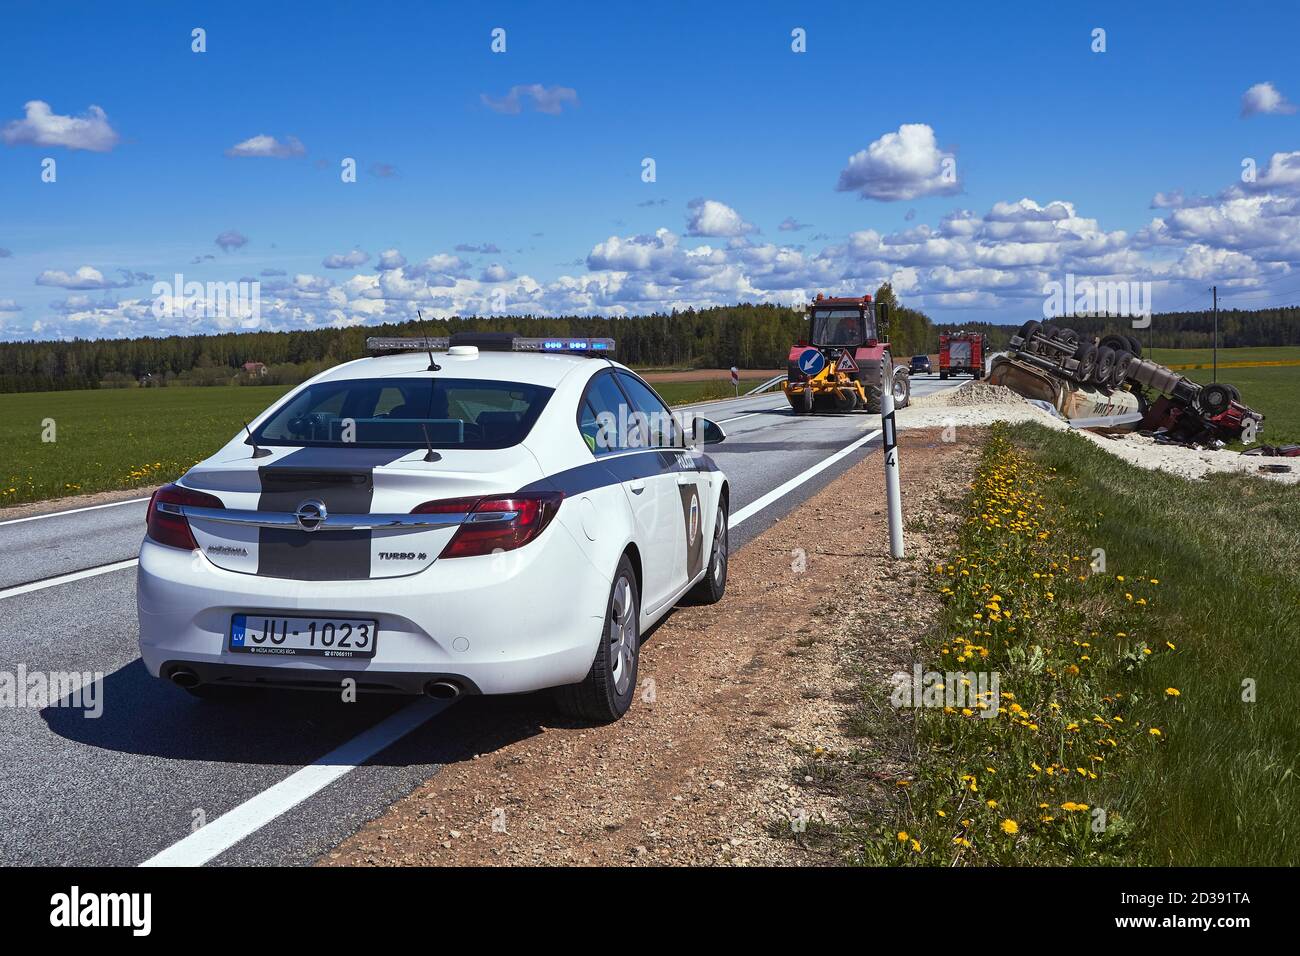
[(735, 379), (893, 496)]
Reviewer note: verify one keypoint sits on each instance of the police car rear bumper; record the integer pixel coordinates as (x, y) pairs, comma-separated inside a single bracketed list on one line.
[(497, 624)]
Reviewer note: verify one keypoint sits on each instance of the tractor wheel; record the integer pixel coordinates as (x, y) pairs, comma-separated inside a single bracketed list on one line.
[(1214, 399), (1118, 375), (1086, 355), (902, 389), (1105, 366)]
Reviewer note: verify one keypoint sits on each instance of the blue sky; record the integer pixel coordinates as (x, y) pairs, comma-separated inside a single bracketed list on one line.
[(745, 133)]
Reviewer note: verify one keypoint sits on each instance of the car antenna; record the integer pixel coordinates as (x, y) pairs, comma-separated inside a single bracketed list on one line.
[(257, 452), (432, 455), (433, 366)]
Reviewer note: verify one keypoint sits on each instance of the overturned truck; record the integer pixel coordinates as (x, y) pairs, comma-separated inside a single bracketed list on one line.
[(1086, 379)]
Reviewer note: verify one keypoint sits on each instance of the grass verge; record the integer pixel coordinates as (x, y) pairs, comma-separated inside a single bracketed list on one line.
[(1147, 701)]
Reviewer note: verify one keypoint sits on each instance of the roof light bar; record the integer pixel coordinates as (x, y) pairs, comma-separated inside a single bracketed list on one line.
[(495, 342)]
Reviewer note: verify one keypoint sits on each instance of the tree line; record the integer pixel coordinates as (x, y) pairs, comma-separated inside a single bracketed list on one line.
[(745, 335)]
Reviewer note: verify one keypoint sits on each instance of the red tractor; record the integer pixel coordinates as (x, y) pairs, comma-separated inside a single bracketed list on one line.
[(962, 353), (845, 361)]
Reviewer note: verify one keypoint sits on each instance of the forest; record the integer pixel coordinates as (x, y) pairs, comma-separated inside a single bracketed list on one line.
[(745, 335)]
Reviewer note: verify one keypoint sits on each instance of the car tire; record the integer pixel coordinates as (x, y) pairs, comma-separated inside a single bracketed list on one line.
[(710, 588), (605, 694)]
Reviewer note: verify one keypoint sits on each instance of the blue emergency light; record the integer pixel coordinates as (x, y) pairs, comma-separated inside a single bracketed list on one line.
[(493, 342)]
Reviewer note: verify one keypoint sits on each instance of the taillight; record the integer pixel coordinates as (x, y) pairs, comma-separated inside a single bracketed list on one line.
[(500, 523), (170, 528)]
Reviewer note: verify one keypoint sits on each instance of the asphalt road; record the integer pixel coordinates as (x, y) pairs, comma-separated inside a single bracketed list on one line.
[(143, 776)]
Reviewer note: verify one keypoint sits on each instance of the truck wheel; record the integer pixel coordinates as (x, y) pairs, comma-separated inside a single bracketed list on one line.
[(1086, 356), (1105, 366), (1069, 337), (1115, 342), (1026, 333), (710, 588), (605, 694), (1119, 374), (1134, 346), (1214, 399), (943, 376)]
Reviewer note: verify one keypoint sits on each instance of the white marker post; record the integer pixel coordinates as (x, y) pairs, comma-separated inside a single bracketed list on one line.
[(892, 493), (735, 379)]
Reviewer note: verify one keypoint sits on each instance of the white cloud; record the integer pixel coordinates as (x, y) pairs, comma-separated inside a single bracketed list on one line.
[(791, 224), (9, 305), (708, 217), (41, 127), (496, 273), (544, 99), (86, 277), (1264, 98), (390, 259), (346, 260), (903, 165), (268, 146)]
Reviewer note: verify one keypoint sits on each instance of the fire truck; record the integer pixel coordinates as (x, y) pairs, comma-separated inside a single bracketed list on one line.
[(962, 353)]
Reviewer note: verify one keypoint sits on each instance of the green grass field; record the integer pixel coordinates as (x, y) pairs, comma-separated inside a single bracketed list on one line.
[(107, 439), (1149, 706), (116, 438)]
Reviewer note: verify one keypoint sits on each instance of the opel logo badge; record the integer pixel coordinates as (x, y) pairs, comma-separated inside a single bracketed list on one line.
[(311, 514)]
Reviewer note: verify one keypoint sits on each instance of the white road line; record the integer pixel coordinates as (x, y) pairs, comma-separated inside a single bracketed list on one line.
[(250, 816), (67, 578), (754, 507), (727, 421), (73, 511)]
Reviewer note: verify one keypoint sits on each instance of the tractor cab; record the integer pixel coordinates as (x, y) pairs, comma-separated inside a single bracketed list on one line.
[(841, 323)]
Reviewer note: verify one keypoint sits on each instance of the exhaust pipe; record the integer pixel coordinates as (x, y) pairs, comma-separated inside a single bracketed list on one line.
[(184, 677), (442, 689)]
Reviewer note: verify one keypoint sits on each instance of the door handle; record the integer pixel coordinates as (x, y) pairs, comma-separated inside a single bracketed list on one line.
[(636, 487)]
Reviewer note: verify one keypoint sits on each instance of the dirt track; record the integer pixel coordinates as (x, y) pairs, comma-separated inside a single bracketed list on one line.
[(738, 704)]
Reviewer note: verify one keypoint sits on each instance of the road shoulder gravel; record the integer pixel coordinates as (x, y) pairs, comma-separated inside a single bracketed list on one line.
[(744, 709)]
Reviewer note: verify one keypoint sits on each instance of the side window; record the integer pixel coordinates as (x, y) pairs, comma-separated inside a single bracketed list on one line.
[(664, 431), (602, 415)]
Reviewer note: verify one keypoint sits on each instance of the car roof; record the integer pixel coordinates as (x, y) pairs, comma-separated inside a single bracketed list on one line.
[(528, 367)]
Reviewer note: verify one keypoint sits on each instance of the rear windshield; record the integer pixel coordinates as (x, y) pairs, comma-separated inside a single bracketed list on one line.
[(399, 412)]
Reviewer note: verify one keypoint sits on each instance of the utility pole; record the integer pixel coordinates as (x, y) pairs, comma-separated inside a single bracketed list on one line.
[(1215, 290)]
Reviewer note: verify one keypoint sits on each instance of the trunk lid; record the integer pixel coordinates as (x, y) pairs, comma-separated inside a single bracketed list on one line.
[(341, 481)]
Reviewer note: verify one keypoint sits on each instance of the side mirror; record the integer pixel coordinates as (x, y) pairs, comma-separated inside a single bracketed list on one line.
[(713, 433), (882, 321)]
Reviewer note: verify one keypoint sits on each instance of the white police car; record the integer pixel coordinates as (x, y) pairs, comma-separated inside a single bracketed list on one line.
[(494, 515)]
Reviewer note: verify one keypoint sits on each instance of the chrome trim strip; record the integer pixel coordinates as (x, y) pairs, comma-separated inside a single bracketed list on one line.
[(373, 522)]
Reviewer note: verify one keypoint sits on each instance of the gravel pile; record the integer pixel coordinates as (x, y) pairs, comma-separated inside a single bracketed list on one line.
[(971, 393)]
